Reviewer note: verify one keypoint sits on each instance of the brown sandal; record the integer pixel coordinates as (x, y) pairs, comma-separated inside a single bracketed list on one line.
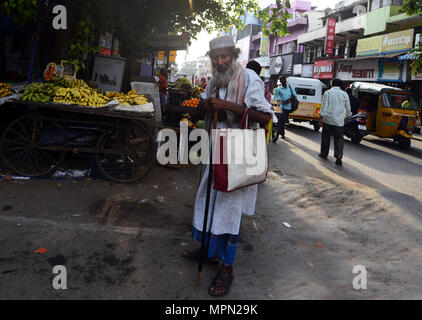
[(222, 280)]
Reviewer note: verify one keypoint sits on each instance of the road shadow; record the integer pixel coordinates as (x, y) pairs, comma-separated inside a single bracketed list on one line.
[(401, 165)]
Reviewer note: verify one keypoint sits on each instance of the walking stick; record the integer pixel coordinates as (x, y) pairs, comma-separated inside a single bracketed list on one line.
[(207, 205)]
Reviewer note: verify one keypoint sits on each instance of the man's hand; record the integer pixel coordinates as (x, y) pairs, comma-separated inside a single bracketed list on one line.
[(217, 104), (321, 121), (346, 120)]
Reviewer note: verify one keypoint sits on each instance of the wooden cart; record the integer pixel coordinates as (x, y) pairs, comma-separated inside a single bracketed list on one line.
[(36, 141)]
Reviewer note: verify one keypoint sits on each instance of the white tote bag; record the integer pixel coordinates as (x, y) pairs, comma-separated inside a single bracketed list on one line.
[(240, 157)]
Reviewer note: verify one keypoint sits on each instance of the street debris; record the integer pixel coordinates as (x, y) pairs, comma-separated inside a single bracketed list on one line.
[(79, 214), (8, 177), (41, 250), (287, 225)]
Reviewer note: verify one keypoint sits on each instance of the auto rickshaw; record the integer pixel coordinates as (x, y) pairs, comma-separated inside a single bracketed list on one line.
[(309, 93), (391, 111)]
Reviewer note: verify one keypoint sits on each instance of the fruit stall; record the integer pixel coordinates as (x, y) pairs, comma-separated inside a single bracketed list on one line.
[(183, 104), (52, 119)]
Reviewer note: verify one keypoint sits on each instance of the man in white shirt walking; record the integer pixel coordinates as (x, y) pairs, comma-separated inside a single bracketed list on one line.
[(333, 116)]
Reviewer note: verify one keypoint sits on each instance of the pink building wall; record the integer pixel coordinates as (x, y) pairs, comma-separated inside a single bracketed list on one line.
[(297, 26)]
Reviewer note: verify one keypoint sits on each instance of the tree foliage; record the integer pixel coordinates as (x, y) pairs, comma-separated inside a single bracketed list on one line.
[(412, 7), (137, 23)]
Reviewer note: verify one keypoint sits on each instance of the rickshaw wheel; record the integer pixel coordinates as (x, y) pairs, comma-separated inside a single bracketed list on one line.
[(27, 146), (404, 143), (316, 126), (126, 155), (356, 139)]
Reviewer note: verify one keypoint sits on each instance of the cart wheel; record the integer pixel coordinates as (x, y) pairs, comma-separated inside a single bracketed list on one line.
[(127, 154), (316, 126), (33, 147)]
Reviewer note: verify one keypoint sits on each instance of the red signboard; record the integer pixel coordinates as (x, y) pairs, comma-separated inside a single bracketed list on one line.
[(331, 33), (324, 70)]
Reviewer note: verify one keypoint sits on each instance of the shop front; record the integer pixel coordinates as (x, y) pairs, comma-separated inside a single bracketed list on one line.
[(283, 65), (392, 71), (324, 71), (349, 71)]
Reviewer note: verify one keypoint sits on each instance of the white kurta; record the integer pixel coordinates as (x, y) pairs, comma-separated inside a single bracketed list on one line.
[(227, 208)]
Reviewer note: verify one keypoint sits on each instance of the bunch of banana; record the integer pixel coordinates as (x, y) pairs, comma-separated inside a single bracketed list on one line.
[(112, 95), (60, 82), (131, 98), (39, 92), (80, 96), (5, 90), (78, 83)]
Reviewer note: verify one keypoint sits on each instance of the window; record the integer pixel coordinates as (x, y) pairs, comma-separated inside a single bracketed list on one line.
[(341, 49), (375, 4), (398, 101), (305, 91), (352, 48), (319, 52)]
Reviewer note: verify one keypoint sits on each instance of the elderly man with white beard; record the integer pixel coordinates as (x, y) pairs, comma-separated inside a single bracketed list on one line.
[(231, 89)]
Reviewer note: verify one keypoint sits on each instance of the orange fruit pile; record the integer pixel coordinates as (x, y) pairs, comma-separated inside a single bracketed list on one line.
[(191, 103)]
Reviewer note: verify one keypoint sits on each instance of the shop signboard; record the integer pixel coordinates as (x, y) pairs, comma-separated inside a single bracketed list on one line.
[(329, 39), (172, 56), (307, 71), (282, 65), (401, 41), (362, 70), (397, 41), (263, 50), (391, 70), (369, 46), (276, 65), (324, 70), (160, 58)]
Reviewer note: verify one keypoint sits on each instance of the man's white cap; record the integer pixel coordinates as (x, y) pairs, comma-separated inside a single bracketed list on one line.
[(222, 42)]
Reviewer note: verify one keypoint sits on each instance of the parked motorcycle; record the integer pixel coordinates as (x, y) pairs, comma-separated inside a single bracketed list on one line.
[(355, 128)]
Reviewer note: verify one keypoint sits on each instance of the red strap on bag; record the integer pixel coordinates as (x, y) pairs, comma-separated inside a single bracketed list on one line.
[(245, 118)]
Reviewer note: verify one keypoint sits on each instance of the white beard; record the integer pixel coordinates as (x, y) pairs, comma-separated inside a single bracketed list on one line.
[(222, 79)]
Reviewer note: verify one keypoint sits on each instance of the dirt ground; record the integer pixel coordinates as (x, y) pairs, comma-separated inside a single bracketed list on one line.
[(125, 241)]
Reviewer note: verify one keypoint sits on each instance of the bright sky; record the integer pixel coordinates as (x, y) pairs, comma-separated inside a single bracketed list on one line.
[(200, 46)]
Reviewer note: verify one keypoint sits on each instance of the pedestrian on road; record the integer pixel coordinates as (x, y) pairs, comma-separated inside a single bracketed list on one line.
[(354, 102), (284, 94), (231, 89), (333, 116)]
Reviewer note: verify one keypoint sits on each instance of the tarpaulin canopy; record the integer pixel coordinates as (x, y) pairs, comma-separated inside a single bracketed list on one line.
[(407, 56)]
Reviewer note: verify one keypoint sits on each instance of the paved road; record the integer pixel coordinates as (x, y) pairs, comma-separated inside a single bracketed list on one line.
[(375, 163), (125, 241)]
